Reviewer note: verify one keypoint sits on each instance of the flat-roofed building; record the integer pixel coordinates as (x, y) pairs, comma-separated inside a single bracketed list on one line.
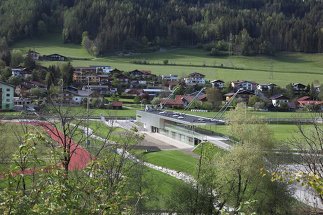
[(6, 96), (175, 125)]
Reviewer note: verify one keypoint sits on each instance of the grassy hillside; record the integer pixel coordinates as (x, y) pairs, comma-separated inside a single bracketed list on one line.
[(285, 67)]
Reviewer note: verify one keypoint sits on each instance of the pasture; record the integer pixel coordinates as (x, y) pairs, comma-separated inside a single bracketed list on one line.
[(280, 69)]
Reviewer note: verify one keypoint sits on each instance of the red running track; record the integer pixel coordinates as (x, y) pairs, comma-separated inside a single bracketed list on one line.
[(80, 157)]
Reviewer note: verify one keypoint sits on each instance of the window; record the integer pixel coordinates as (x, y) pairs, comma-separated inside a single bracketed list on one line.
[(8, 95), (7, 100), (7, 106), (8, 89)]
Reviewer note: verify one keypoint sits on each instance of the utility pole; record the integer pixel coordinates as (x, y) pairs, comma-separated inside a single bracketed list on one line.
[(271, 72), (230, 44), (87, 112), (230, 49)]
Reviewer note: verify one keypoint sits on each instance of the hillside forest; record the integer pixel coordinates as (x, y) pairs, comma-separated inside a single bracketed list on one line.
[(246, 27)]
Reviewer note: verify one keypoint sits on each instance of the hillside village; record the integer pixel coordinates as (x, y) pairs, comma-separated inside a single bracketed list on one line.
[(161, 107), (26, 86)]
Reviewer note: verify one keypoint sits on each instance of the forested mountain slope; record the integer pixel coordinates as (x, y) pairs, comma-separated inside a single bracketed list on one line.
[(250, 26)]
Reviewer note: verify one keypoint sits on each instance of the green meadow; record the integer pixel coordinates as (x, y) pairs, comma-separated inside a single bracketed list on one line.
[(173, 159), (11, 135), (281, 69), (283, 134)]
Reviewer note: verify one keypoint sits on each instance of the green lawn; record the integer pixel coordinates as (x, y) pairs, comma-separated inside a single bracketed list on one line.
[(282, 133), (11, 113), (10, 137), (286, 67), (81, 111), (159, 188), (175, 160), (274, 115)]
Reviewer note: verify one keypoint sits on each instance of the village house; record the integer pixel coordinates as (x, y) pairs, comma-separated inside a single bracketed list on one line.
[(103, 69), (6, 96), (266, 88), (306, 101), (34, 55), (181, 101), (243, 95), (218, 84), (85, 77), (100, 89), (299, 88), (115, 72), (21, 72), (22, 103), (171, 78), (116, 105), (153, 92), (53, 57), (23, 90), (279, 100), (75, 96), (121, 78), (246, 85), (133, 92), (141, 74), (195, 78)]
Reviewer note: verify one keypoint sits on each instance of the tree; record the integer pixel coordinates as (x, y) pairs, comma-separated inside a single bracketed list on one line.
[(5, 74), (37, 92), (227, 88), (253, 100), (137, 100), (313, 93), (214, 96), (16, 58), (4, 51), (29, 62), (236, 176), (105, 186), (310, 142), (15, 80), (290, 91), (320, 95), (155, 101), (41, 27), (67, 73)]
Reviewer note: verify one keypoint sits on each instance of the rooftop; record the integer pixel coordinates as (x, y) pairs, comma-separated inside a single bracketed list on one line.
[(183, 118)]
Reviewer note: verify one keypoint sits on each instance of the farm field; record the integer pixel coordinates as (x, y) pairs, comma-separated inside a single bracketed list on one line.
[(285, 67)]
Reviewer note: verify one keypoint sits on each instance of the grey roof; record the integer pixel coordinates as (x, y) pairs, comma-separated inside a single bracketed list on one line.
[(186, 119), (4, 83), (279, 96)]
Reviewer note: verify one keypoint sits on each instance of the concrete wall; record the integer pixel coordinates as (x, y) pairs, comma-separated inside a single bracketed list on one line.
[(167, 128), (150, 120)]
